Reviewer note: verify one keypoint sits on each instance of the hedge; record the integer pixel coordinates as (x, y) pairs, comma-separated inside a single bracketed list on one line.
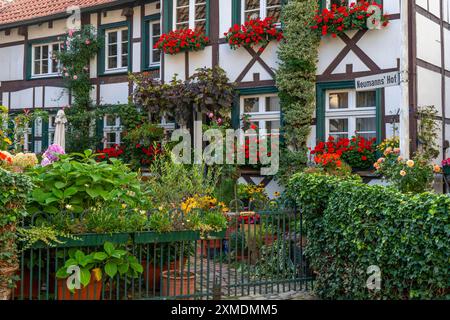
[(351, 226)]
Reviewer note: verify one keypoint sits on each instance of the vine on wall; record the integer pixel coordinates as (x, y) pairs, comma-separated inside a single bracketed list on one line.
[(428, 133), (296, 78)]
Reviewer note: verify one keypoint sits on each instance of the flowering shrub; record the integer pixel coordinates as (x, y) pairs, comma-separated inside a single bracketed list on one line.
[(357, 152), (253, 32), (5, 158), (203, 203), (113, 152), (182, 40), (249, 193), (393, 143), (339, 19), (52, 154), (24, 160), (409, 176), (5, 142), (446, 166)]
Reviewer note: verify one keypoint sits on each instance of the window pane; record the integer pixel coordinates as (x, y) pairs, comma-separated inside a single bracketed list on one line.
[(200, 25), (124, 60), (338, 125), (112, 50), (112, 37), (339, 2), (365, 124), (182, 3), (110, 121), (44, 52), (125, 35), (273, 3), (156, 29), (112, 62), (272, 104), (272, 125), (200, 11), (339, 100), (274, 13), (125, 48), (156, 56), (251, 105), (44, 66), (37, 67), (111, 138), (37, 53), (182, 14), (366, 99), (251, 4)]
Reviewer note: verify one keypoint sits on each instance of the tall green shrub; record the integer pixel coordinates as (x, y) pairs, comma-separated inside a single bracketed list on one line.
[(351, 226), (296, 79)]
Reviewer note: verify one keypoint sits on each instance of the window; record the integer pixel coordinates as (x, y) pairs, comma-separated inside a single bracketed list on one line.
[(253, 9), (38, 135), (154, 34), (262, 110), (44, 61), (190, 14), (51, 129), (112, 131), (350, 113), (116, 57), (337, 2)]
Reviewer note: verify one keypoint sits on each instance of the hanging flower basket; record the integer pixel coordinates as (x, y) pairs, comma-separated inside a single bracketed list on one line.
[(252, 33), (357, 16), (181, 41)]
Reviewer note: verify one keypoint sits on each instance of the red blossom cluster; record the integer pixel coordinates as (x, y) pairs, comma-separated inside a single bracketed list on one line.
[(182, 40), (150, 153), (329, 160), (341, 18), (253, 32), (113, 152)]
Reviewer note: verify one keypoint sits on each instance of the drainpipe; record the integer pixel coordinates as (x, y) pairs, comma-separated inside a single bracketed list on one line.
[(404, 87)]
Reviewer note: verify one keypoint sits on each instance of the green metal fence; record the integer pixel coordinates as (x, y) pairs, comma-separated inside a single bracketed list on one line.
[(259, 253)]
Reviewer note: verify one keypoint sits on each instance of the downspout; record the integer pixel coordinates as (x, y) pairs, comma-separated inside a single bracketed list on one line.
[(404, 86)]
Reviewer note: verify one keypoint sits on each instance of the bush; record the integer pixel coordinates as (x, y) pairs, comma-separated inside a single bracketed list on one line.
[(351, 226)]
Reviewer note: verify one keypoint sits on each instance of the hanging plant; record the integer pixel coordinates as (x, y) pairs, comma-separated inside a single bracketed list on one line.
[(182, 40), (342, 18), (252, 33)]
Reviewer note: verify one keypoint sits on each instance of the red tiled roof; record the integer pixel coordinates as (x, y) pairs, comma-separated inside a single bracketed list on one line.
[(22, 10)]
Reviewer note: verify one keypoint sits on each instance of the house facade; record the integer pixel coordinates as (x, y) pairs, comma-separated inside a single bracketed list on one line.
[(415, 44)]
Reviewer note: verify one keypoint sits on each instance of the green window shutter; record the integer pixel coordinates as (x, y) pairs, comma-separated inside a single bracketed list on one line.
[(207, 18), (99, 132), (236, 12), (235, 112), (168, 15), (29, 61), (379, 116), (145, 56), (33, 128), (101, 54), (45, 136)]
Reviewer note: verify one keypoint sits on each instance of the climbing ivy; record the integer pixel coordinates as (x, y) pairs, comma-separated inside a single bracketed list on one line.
[(296, 78)]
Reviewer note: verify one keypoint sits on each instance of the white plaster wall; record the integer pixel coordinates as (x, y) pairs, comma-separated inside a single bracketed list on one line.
[(56, 97), (174, 64), (38, 94), (392, 6), (312, 138), (446, 12), (447, 97), (422, 3), (434, 7), (200, 59), (5, 99), (22, 99), (447, 48), (392, 100), (328, 50), (233, 61), (42, 30), (93, 64), (113, 17), (224, 17), (428, 40), (429, 89), (12, 37), (11, 63), (270, 55), (351, 58), (115, 93), (150, 8), (136, 22), (136, 59)]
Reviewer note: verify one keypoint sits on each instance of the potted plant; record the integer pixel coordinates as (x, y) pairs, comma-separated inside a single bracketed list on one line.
[(91, 267), (178, 283)]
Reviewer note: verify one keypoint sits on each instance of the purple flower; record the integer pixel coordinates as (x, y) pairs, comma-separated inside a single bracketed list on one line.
[(45, 162), (52, 152)]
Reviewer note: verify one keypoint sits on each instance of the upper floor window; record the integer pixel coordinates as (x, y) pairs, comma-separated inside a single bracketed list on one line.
[(350, 113), (116, 41), (253, 9), (44, 60), (190, 14), (154, 33)]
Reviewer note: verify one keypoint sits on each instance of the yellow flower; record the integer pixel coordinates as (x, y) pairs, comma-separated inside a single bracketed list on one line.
[(399, 158), (403, 173), (410, 163), (97, 274), (8, 141), (276, 194), (124, 206)]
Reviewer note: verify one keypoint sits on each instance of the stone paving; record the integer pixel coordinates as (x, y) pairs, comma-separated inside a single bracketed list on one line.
[(289, 295)]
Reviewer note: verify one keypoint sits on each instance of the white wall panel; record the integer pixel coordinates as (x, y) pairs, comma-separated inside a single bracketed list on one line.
[(113, 17), (11, 63), (200, 59), (22, 99), (428, 40), (429, 89), (12, 37), (56, 97), (42, 30), (114, 93), (224, 17), (174, 64)]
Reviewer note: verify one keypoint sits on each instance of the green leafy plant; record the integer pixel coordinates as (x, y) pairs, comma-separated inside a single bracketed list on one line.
[(351, 226), (47, 235), (428, 133)]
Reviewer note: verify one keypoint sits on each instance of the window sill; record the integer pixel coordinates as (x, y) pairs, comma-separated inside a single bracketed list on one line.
[(152, 68), (47, 76)]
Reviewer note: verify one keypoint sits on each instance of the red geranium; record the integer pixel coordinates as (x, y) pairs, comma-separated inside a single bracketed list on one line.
[(182, 40), (253, 32)]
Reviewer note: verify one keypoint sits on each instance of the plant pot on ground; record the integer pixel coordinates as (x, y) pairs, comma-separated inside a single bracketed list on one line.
[(28, 285), (92, 291), (152, 272), (178, 284)]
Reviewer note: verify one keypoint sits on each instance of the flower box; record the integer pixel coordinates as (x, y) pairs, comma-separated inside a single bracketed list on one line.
[(88, 240), (182, 40)]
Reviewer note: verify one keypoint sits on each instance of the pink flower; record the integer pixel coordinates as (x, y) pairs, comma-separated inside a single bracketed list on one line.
[(87, 42), (70, 32), (66, 74), (75, 77)]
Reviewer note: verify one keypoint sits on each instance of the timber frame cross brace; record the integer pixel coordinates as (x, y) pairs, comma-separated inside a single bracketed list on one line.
[(256, 57), (351, 45)]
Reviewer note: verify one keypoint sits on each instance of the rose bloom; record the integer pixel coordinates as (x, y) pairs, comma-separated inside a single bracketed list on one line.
[(399, 158), (403, 173), (436, 168), (397, 150), (388, 151), (381, 160), (410, 163)]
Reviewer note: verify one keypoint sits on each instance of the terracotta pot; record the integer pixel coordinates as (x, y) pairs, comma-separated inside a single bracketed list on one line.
[(154, 272), (176, 284), (7, 272), (92, 291), (241, 257), (26, 285), (270, 239)]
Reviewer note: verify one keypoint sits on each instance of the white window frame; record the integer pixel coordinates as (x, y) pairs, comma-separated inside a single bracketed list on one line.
[(262, 116), (50, 73), (192, 21), (51, 129), (116, 128), (119, 67), (262, 10), (351, 113), (151, 63)]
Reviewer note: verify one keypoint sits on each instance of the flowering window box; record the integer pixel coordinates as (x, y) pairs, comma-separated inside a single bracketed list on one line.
[(182, 40), (446, 166), (357, 16)]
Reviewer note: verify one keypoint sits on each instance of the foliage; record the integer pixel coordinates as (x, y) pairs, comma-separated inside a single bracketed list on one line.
[(351, 226), (274, 261), (51, 154), (408, 176), (357, 152), (253, 32), (237, 241), (207, 91), (21, 122), (393, 143), (5, 141), (341, 18), (77, 183), (252, 193), (203, 203), (296, 80), (428, 133), (110, 261), (45, 234), (182, 40)]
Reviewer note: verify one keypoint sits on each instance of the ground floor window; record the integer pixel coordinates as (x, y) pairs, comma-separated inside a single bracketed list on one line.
[(349, 113), (112, 131), (262, 111)]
